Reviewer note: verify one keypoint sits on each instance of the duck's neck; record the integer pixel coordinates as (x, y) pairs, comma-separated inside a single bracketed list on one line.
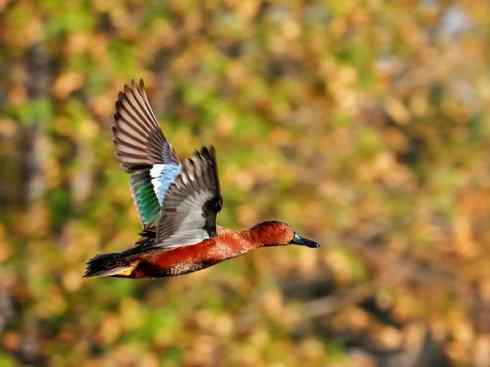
[(237, 243)]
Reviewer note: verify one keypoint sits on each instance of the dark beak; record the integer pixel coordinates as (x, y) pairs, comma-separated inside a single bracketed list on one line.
[(301, 241)]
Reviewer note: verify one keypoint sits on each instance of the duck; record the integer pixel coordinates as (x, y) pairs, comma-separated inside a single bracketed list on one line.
[(177, 203)]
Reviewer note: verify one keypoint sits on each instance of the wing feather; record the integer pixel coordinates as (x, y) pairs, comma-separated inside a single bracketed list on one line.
[(192, 203), (143, 151)]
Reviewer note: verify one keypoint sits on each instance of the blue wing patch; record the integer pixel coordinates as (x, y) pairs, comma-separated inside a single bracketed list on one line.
[(162, 176)]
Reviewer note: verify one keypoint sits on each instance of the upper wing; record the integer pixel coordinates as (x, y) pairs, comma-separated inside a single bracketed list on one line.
[(143, 151), (189, 211)]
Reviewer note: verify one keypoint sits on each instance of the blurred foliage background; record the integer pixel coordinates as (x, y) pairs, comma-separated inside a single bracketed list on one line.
[(363, 123)]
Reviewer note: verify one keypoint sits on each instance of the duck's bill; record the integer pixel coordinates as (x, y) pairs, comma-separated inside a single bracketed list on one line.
[(301, 241)]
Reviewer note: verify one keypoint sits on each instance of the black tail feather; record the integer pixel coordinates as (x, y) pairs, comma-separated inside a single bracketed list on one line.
[(107, 264)]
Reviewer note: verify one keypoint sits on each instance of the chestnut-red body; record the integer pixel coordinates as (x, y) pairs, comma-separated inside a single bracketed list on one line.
[(227, 245), (186, 259), (143, 262)]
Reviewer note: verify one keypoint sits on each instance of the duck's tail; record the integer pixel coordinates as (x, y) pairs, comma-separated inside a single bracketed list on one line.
[(117, 264)]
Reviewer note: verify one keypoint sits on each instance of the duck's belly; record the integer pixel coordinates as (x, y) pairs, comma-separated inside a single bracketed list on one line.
[(187, 259), (178, 261), (148, 269)]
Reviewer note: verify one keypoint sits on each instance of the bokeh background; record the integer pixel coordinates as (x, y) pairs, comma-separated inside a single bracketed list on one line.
[(363, 123)]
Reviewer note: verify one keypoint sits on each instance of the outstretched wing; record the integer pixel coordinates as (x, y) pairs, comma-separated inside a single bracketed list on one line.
[(189, 211), (143, 151)]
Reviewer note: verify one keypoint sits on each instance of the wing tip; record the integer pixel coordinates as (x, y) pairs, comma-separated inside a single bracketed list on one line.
[(208, 152), (134, 118), (134, 86)]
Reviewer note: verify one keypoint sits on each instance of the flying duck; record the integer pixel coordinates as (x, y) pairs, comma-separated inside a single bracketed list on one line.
[(177, 202)]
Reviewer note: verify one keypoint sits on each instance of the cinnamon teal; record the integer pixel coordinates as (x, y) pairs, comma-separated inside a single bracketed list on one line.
[(177, 203)]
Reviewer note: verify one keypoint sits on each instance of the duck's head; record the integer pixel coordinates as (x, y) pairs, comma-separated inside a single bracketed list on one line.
[(274, 233)]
